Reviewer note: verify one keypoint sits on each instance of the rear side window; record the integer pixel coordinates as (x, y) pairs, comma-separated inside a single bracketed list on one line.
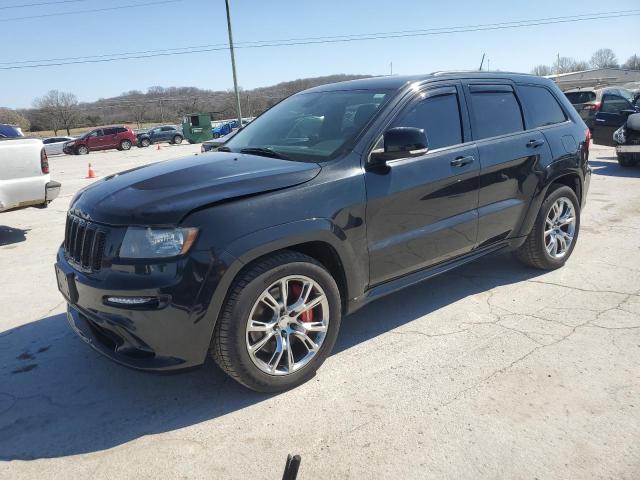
[(439, 116), (495, 113), (120, 130), (614, 104), (110, 131), (167, 129), (542, 107), (581, 97)]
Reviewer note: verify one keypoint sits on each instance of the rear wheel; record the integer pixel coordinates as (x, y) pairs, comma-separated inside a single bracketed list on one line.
[(82, 150), (177, 140), (554, 235), (279, 323), (125, 144)]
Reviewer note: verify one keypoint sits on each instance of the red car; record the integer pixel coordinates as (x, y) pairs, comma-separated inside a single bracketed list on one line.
[(103, 138)]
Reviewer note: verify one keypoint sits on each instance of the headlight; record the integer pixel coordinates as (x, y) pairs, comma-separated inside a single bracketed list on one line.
[(157, 242), (69, 144)]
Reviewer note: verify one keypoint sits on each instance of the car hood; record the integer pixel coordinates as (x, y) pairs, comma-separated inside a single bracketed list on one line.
[(164, 193)]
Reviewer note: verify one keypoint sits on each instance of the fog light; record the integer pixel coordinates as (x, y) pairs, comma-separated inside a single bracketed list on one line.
[(130, 300)]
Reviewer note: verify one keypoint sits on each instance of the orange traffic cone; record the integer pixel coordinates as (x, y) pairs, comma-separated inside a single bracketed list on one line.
[(91, 173)]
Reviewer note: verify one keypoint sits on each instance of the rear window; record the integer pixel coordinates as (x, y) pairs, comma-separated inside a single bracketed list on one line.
[(581, 97), (495, 113), (542, 107)]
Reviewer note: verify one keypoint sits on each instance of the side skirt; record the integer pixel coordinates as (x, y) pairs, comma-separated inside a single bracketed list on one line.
[(386, 288)]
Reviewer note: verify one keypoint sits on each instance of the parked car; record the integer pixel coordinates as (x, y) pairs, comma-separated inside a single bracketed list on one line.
[(252, 254), (24, 174), (215, 143), (103, 138), (166, 133), (603, 110), (54, 145), (627, 141), (221, 129)]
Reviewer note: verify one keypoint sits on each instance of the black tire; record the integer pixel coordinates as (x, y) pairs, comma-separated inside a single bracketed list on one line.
[(216, 135), (229, 346), (82, 150), (177, 140), (626, 160), (145, 142), (534, 252), (125, 145)]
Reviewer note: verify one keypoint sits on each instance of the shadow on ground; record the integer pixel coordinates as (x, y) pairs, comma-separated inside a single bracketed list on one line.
[(58, 397), (609, 166), (10, 235)]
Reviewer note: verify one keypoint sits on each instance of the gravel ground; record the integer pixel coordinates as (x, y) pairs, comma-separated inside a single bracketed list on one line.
[(489, 371)]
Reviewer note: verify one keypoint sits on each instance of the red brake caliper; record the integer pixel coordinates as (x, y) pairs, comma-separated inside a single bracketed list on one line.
[(296, 290)]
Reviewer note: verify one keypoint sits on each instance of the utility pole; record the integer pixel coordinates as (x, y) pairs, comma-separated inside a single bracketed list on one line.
[(391, 68), (488, 64), (233, 65), (481, 62)]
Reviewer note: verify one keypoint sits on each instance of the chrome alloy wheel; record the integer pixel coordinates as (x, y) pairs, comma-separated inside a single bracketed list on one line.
[(287, 325), (560, 227)]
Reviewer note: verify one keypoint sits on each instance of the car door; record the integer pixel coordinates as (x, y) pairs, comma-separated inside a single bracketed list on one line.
[(95, 140), (422, 210), (167, 133), (110, 138), (610, 117), (508, 158)]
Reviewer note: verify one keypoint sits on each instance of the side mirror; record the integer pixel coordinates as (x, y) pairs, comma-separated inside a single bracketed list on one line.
[(400, 142)]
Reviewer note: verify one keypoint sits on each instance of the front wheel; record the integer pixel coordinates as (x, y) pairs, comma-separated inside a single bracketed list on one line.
[(82, 150), (279, 323), (554, 235), (145, 142)]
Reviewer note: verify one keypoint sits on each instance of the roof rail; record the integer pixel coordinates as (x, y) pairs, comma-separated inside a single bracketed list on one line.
[(450, 72)]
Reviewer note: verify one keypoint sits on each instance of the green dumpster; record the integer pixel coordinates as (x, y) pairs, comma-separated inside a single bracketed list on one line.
[(196, 127)]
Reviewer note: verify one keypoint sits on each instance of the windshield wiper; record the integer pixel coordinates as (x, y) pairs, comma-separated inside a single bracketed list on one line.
[(265, 152)]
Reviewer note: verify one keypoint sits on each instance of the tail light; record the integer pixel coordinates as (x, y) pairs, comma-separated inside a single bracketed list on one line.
[(44, 162), (593, 107)]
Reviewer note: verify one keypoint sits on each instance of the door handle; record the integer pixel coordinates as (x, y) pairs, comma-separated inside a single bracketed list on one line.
[(600, 120), (535, 143), (462, 161)]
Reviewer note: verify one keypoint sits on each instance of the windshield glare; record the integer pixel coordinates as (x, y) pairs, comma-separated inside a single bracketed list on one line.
[(311, 126)]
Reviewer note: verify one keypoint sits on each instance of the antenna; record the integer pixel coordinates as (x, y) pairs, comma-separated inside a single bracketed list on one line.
[(481, 62)]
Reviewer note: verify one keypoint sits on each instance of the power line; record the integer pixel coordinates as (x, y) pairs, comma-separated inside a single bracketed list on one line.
[(258, 43), (323, 40), (40, 4), (77, 12)]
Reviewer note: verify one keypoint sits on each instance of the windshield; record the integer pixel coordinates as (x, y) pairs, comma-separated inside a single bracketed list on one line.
[(580, 97), (310, 126)]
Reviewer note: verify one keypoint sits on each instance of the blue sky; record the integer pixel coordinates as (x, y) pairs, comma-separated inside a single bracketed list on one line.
[(197, 22)]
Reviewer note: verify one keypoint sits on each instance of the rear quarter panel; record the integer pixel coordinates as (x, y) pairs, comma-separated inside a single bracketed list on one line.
[(21, 177)]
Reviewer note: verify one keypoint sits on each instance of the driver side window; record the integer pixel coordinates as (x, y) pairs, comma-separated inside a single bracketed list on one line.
[(438, 116)]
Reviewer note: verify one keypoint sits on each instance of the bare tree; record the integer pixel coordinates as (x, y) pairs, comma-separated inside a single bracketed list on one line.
[(632, 63), (139, 111), (580, 65), (604, 58), (564, 65), (541, 70), (61, 108)]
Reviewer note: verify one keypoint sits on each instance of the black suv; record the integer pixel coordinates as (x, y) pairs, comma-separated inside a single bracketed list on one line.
[(254, 254)]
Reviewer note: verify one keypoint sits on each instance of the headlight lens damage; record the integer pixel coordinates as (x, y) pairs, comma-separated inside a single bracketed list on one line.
[(157, 242)]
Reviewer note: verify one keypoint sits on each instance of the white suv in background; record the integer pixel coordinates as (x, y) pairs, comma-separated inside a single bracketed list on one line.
[(24, 171)]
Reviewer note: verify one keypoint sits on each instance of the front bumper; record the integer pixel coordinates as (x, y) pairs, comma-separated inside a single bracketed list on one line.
[(173, 334), (628, 148)]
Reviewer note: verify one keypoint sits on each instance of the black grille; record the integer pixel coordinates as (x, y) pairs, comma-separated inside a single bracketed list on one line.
[(84, 243)]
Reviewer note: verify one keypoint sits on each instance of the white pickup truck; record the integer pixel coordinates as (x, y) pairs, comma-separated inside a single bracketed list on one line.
[(24, 171)]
